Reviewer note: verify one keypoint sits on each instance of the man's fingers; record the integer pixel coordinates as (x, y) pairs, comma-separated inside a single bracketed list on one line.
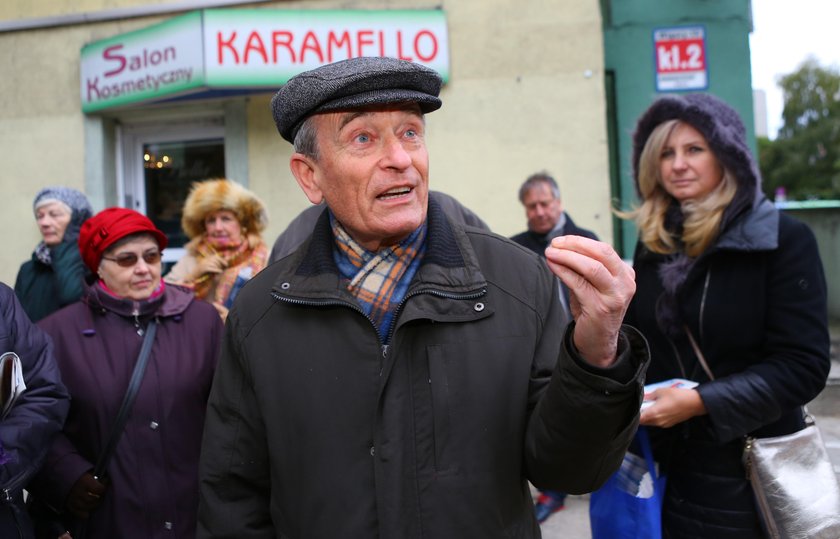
[(578, 260), (589, 248)]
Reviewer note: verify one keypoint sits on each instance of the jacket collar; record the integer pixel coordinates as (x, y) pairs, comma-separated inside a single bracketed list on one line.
[(173, 302), (449, 262), (758, 230)]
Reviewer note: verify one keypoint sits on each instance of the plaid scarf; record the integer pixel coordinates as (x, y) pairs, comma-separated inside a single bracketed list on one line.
[(378, 281)]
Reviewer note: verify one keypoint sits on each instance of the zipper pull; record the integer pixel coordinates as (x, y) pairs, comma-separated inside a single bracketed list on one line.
[(384, 349), (136, 314)]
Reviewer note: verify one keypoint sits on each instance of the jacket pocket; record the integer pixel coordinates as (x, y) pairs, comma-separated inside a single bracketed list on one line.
[(441, 411)]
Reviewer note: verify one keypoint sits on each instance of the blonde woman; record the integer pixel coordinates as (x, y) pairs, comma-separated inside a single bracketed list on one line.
[(717, 262), (224, 222)]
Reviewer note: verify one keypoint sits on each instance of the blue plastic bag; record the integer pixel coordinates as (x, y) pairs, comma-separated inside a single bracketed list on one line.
[(629, 505)]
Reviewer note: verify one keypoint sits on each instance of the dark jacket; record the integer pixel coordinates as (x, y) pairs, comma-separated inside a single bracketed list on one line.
[(756, 303), (755, 300), (317, 430), (35, 418), (153, 474), (539, 242), (43, 289)]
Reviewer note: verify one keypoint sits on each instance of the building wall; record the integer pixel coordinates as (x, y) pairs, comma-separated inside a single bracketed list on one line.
[(526, 94), (629, 55), (824, 219)]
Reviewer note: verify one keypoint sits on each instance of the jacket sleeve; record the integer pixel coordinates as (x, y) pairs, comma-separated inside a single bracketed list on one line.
[(583, 418), (68, 273), (40, 411), (794, 361), (234, 468)]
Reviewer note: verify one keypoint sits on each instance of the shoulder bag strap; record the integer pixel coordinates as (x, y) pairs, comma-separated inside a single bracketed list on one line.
[(128, 400), (699, 353)]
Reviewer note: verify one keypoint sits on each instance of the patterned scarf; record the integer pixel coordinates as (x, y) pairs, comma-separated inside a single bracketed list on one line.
[(238, 257), (379, 281)]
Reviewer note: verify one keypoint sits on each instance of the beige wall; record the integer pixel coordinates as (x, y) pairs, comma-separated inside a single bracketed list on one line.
[(526, 94)]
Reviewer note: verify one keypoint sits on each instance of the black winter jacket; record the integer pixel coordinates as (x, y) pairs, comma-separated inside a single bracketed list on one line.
[(43, 289), (35, 418), (756, 303), (538, 242), (317, 430)]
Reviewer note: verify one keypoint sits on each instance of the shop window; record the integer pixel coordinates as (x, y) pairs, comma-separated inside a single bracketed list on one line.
[(160, 165)]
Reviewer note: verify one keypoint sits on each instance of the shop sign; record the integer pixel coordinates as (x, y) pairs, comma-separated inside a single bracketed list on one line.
[(228, 50), (680, 58)]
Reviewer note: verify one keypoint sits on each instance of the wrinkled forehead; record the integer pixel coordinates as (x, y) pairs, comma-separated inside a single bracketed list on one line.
[(52, 204), (340, 118)]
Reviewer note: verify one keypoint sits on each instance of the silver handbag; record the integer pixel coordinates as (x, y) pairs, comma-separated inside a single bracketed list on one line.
[(795, 485)]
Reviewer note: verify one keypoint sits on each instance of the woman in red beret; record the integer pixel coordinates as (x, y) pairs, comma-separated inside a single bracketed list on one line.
[(150, 485)]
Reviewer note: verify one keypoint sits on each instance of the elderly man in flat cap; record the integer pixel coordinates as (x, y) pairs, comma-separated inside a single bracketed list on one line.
[(401, 375)]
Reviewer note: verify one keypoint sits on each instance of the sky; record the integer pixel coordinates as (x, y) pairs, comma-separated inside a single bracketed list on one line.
[(784, 34)]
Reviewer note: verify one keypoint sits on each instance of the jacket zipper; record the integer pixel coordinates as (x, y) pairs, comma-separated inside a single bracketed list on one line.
[(703, 301), (383, 348)]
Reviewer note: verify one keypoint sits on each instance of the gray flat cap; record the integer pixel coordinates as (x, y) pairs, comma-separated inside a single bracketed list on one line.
[(351, 84)]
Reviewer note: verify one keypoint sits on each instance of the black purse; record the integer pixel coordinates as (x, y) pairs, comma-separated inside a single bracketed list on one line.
[(51, 522)]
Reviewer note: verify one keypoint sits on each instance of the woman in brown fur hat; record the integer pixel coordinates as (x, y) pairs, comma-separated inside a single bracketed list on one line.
[(224, 222)]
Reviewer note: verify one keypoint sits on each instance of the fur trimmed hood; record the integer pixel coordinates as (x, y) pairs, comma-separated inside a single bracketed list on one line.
[(723, 129), (222, 194)]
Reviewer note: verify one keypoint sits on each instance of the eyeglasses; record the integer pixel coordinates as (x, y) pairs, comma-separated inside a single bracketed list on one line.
[(127, 260)]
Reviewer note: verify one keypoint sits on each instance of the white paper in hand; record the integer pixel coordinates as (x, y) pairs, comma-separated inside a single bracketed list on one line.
[(11, 381), (679, 383)]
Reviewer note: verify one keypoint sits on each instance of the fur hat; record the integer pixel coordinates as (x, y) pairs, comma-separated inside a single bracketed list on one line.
[(222, 194), (722, 128)]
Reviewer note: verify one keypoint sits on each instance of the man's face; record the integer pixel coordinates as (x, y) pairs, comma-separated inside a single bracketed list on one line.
[(542, 209), (372, 171)]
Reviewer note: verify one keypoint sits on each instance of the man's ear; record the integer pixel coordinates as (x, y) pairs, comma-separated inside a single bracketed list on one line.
[(305, 172)]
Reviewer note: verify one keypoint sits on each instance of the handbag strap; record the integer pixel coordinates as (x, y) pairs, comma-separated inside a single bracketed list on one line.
[(128, 400), (699, 353)]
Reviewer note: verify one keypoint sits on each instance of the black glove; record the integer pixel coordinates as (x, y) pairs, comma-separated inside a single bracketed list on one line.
[(85, 495)]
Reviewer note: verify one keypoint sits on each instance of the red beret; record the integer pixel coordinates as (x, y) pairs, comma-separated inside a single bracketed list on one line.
[(111, 224)]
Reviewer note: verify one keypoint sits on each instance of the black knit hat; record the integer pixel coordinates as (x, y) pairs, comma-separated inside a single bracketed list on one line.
[(717, 122), (351, 84)]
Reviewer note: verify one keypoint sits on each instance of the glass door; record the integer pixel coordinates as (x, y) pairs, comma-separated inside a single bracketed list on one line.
[(160, 163)]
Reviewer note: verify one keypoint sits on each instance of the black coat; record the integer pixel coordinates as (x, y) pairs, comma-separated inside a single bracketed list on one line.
[(35, 418), (538, 242), (756, 303), (315, 429), (45, 288)]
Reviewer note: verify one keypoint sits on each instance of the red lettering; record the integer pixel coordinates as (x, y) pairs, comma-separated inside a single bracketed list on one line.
[(434, 46), (311, 43), (222, 44), (255, 43), (336, 42), (282, 39), (381, 43), (106, 54), (363, 38), (399, 48)]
